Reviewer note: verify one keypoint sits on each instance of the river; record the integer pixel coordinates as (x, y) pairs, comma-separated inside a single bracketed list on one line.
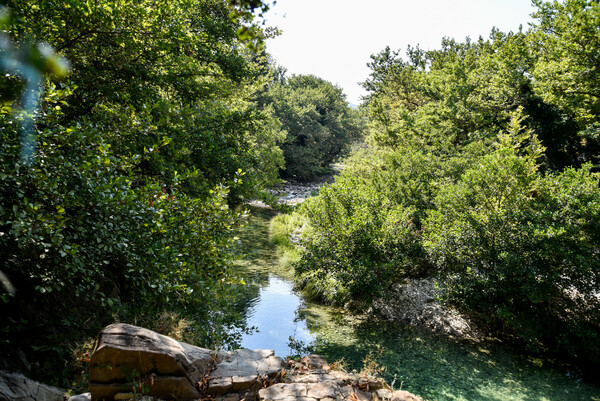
[(433, 367)]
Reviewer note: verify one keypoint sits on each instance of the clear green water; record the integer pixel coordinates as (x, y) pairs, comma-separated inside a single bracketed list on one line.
[(435, 368)]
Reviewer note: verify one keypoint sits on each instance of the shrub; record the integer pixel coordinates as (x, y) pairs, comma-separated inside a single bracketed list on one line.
[(521, 249), (82, 237), (363, 231)]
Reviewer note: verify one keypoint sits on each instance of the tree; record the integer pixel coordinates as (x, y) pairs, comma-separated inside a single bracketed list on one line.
[(465, 92), (318, 121), (124, 209), (147, 71), (567, 71), (518, 248)]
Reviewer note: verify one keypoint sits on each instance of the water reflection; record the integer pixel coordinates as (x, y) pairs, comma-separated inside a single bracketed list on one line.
[(275, 315), (268, 300)]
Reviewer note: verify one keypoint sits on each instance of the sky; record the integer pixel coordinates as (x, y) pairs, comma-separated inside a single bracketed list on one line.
[(334, 39)]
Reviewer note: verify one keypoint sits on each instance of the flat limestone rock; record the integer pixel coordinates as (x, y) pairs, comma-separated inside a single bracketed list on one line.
[(243, 382), (284, 391), (125, 354), (81, 397), (323, 390), (244, 362), (314, 377), (315, 362), (242, 369), (305, 392), (311, 379), (16, 387), (401, 395), (220, 385)]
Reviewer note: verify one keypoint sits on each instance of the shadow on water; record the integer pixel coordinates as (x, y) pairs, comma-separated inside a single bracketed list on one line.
[(436, 368)]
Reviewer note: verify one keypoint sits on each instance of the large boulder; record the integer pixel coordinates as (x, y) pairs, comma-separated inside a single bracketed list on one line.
[(415, 302), (16, 387), (133, 359)]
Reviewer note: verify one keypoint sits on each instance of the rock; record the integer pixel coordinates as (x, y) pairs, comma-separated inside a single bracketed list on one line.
[(284, 391), (293, 193), (16, 387), (220, 385), (378, 384), (81, 397), (178, 388), (243, 369), (315, 362), (243, 382), (314, 378), (128, 356), (362, 395), (168, 369), (383, 394), (346, 392), (323, 390), (415, 303), (325, 385)]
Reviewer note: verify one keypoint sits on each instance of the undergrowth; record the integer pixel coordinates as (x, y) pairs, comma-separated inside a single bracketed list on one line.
[(282, 229)]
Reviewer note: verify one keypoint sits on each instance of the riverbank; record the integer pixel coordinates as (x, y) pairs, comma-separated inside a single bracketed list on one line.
[(433, 351), (414, 302)]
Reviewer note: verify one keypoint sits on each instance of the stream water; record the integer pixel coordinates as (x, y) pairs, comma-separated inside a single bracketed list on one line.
[(274, 313), (271, 306), (433, 367)]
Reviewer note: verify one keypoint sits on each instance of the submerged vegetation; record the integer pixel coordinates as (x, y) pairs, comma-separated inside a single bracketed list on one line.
[(442, 368)]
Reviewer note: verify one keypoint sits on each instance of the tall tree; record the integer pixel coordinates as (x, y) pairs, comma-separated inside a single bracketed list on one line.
[(147, 71)]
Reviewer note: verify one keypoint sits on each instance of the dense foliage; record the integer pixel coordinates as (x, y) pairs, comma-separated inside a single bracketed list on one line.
[(363, 231), (520, 249), (319, 123), (480, 171), (148, 72), (124, 208)]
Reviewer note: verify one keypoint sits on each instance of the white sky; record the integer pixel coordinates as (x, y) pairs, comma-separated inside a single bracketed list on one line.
[(334, 39)]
